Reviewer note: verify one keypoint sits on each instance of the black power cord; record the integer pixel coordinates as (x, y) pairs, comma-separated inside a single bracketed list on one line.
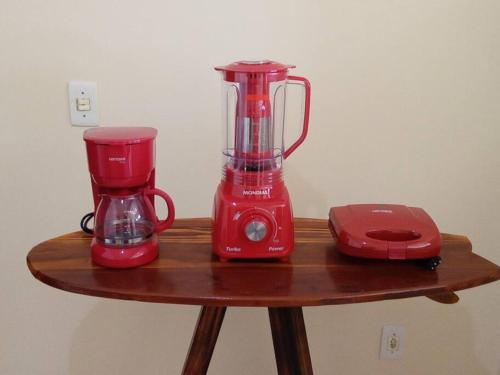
[(85, 221)]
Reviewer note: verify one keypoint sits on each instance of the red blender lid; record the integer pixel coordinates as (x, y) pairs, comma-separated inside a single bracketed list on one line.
[(119, 135), (232, 71), (258, 66)]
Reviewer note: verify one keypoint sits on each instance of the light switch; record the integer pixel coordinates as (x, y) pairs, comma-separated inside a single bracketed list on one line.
[(83, 106)]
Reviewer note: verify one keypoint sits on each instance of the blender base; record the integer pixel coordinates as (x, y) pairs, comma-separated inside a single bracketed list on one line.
[(233, 213)]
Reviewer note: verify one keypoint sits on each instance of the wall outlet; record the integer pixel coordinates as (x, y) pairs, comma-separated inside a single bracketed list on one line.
[(83, 106), (392, 342)]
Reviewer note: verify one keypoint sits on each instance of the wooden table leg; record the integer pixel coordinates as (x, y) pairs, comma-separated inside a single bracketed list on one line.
[(203, 341), (290, 341)]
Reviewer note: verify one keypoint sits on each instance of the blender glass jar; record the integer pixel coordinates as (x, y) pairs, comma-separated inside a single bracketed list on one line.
[(253, 119)]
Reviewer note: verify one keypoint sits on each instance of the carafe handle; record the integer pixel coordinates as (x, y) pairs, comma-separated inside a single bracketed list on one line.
[(161, 225), (307, 104)]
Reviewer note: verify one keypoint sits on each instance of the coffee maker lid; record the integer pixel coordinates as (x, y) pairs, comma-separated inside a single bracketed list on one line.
[(120, 135)]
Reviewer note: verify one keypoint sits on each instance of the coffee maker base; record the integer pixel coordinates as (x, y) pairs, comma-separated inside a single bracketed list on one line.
[(125, 256)]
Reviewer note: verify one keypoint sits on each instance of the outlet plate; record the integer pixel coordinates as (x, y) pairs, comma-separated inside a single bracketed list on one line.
[(87, 114), (392, 342)]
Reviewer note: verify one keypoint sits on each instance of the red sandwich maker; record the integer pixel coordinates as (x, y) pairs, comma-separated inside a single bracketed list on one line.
[(386, 231)]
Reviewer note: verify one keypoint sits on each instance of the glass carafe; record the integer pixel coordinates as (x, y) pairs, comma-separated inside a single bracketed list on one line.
[(253, 113), (128, 220)]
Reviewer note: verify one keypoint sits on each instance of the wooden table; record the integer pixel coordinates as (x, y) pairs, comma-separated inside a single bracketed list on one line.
[(187, 273)]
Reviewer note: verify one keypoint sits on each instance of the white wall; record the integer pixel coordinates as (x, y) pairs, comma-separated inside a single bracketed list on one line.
[(405, 109)]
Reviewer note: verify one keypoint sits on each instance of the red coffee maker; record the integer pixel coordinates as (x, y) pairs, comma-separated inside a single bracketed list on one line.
[(122, 168), (252, 209)]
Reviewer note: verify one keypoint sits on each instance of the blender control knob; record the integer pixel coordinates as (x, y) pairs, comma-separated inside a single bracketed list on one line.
[(256, 230)]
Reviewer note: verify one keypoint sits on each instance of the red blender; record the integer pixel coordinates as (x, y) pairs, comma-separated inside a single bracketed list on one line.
[(252, 209), (122, 169)]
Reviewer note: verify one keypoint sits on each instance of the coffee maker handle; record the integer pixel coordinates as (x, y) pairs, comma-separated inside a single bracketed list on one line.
[(161, 225), (307, 104)]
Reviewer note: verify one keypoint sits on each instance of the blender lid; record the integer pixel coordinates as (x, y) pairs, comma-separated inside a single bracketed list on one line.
[(120, 135), (255, 66)]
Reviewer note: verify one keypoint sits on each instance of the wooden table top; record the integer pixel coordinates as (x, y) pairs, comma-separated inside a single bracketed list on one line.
[(186, 272)]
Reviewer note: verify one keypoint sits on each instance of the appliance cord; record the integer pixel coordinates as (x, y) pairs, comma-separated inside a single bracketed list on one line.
[(85, 221)]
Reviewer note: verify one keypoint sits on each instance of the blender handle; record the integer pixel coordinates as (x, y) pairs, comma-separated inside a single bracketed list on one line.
[(307, 105), (161, 225)]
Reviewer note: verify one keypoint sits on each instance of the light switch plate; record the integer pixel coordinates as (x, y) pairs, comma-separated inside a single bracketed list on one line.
[(83, 90)]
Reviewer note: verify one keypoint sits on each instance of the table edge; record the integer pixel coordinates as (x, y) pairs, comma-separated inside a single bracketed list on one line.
[(266, 301)]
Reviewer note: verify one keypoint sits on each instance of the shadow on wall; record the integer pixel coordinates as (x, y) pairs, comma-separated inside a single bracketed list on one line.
[(307, 200), (341, 342), (125, 337), (121, 337)]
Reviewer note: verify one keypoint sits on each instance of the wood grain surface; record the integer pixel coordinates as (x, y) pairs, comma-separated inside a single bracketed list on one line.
[(186, 272)]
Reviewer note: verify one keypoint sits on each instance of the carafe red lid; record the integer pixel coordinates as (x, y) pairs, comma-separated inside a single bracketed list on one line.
[(121, 135), (276, 69)]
